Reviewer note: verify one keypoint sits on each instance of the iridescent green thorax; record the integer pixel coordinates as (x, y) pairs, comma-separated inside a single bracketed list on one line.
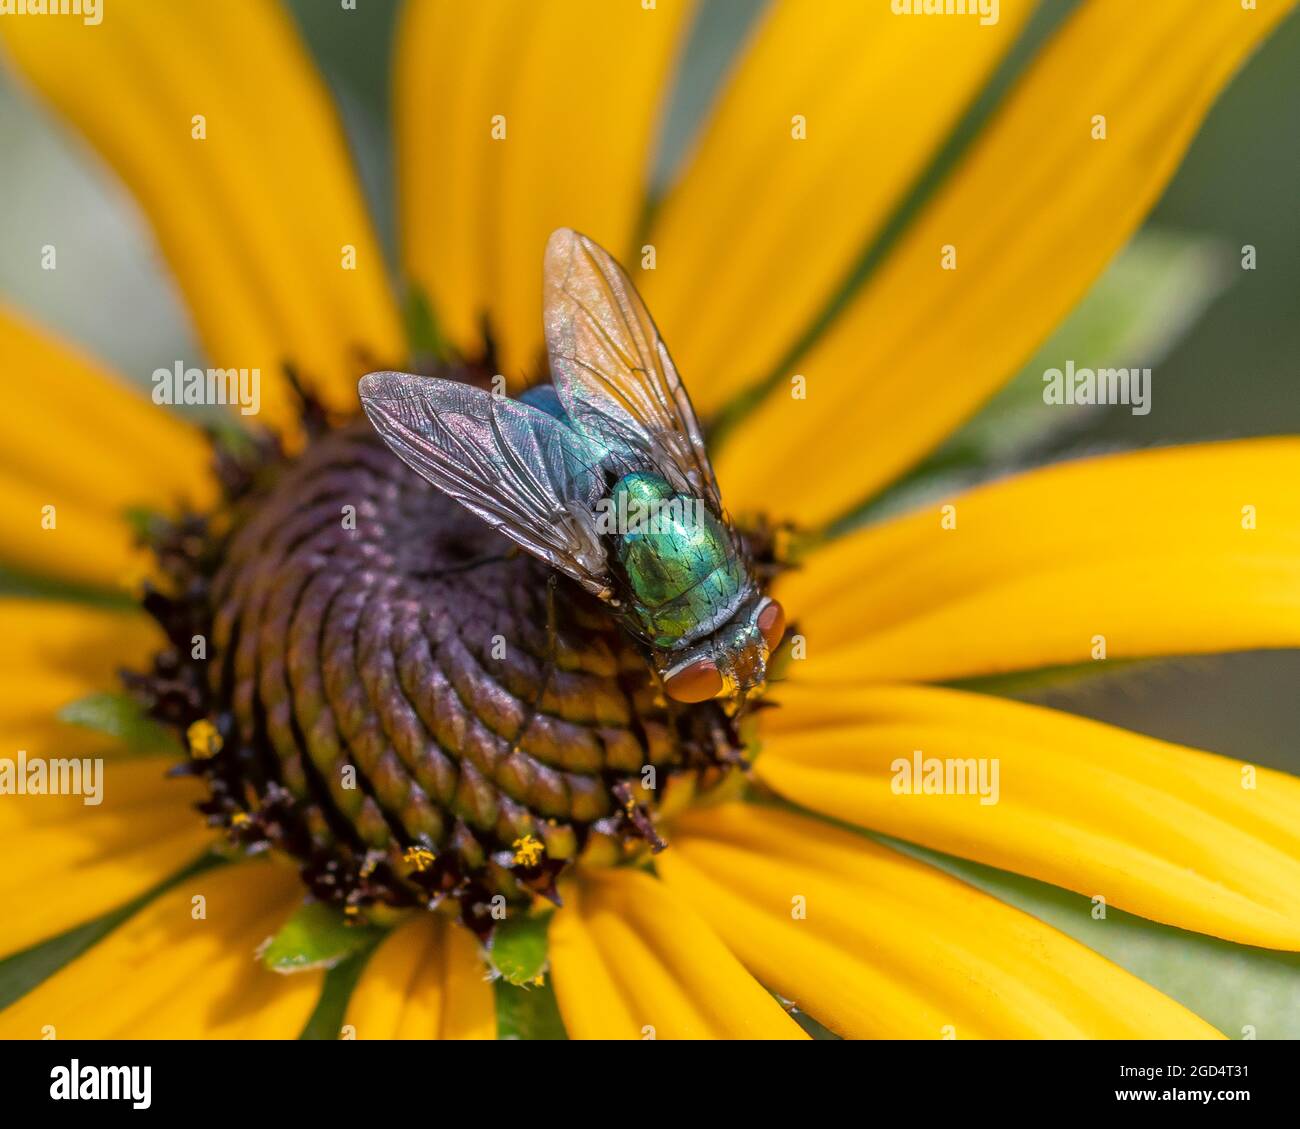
[(686, 578)]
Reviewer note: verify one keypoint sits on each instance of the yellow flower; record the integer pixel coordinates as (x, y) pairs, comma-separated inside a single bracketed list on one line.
[(508, 126)]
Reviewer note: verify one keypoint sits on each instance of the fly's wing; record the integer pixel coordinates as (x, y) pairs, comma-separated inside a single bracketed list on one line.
[(522, 471), (612, 370)]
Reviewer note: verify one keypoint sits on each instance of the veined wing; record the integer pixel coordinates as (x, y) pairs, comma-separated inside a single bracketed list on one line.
[(522, 471), (612, 370)]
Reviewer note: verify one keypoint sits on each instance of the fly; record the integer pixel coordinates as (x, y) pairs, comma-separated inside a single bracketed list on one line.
[(602, 474)]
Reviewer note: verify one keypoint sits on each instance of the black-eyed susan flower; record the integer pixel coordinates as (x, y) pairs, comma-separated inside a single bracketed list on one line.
[(337, 662)]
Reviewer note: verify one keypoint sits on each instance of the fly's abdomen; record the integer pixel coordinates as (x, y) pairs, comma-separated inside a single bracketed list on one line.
[(684, 575)]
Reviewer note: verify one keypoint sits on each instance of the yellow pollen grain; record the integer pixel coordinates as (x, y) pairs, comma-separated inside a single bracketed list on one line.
[(205, 741), (528, 850), (421, 858)]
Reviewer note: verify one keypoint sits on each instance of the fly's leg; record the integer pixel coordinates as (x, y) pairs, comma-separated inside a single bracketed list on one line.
[(552, 648)]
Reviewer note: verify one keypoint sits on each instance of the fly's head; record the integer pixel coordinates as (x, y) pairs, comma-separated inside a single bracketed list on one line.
[(731, 662)]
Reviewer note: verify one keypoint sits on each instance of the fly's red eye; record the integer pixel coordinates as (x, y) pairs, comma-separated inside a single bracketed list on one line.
[(696, 682), (771, 622)]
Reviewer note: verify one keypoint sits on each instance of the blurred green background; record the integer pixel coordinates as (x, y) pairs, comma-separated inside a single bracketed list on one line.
[(1233, 370)]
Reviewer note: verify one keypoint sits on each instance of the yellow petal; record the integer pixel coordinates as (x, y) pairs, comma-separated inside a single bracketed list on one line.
[(1034, 211), (113, 444), (1185, 550), (54, 653), (75, 861), (761, 229), (874, 944), (81, 642), (426, 981), (169, 974), (74, 437), (255, 217), (577, 88), (1170, 833), (632, 960), (70, 862), (50, 534)]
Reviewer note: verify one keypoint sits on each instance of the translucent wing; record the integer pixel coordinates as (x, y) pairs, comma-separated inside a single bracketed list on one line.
[(522, 471), (612, 371)]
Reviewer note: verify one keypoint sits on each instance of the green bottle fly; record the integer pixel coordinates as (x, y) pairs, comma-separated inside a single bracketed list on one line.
[(613, 433)]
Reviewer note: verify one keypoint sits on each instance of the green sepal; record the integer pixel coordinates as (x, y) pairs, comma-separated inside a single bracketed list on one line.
[(518, 949), (121, 716), (316, 936), (528, 1013)]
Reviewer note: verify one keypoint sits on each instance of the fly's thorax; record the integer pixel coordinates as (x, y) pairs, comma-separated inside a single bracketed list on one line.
[(680, 564)]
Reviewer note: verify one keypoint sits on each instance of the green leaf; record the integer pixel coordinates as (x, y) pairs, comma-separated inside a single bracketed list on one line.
[(1151, 295), (1233, 987), (528, 1013), (120, 716), (317, 936), (518, 949)]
